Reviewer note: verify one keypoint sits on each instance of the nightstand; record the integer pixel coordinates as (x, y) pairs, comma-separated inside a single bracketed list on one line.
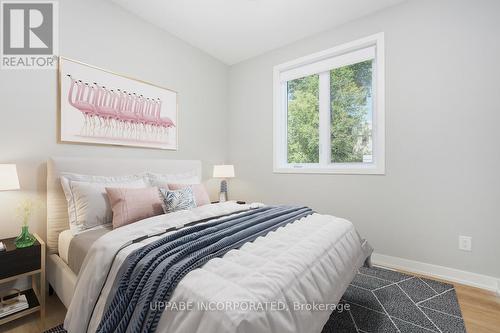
[(26, 262)]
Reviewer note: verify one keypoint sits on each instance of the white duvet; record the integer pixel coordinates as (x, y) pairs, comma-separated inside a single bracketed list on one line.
[(287, 281)]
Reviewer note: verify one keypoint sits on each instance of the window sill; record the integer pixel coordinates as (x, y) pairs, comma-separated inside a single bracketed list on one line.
[(369, 170)]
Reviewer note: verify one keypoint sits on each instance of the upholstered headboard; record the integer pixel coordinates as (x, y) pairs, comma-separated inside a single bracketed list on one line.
[(57, 209)]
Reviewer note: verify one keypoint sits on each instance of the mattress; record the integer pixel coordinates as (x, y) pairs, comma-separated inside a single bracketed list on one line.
[(65, 238), (74, 249)]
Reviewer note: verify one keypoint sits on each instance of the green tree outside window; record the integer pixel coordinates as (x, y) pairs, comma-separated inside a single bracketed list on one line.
[(350, 105)]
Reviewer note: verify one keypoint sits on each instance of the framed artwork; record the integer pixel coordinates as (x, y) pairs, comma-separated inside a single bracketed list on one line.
[(101, 107)]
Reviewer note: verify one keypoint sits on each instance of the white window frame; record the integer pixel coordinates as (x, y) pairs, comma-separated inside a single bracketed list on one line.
[(344, 54)]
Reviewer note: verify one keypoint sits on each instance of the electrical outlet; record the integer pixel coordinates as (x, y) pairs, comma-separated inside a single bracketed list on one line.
[(465, 243)]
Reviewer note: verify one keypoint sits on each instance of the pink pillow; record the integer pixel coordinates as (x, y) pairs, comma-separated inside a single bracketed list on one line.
[(200, 193), (133, 204)]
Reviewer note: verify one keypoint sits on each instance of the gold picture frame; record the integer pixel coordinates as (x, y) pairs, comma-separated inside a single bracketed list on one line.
[(70, 135)]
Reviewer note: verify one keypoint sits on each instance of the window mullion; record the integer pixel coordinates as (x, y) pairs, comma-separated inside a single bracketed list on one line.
[(284, 120), (324, 118)]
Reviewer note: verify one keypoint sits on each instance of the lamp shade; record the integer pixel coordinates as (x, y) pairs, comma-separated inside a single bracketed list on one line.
[(8, 177), (224, 171)]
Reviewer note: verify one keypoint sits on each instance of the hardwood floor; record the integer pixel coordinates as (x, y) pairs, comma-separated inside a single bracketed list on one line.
[(480, 310)]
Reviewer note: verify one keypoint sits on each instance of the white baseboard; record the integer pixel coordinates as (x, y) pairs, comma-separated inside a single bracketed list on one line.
[(446, 273)]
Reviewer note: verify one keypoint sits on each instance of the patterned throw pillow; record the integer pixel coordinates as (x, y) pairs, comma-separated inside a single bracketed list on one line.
[(201, 197), (178, 199)]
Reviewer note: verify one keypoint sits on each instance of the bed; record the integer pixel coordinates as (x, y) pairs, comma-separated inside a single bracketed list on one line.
[(269, 284)]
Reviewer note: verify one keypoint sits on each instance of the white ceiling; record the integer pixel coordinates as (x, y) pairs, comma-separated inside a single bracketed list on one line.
[(235, 30)]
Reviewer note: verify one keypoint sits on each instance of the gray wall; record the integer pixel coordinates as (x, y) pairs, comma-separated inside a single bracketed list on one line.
[(101, 34), (442, 123), (442, 134)]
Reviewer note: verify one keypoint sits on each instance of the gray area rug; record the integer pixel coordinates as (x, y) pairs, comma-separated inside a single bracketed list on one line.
[(382, 300)]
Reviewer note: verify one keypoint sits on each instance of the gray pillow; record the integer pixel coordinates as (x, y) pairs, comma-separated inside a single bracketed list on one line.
[(178, 200), (88, 204)]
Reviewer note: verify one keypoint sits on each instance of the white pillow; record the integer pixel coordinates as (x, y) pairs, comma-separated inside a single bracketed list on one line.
[(88, 204), (161, 180)]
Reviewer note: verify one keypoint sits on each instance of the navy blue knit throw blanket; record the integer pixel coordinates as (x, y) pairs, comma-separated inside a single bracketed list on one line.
[(150, 274)]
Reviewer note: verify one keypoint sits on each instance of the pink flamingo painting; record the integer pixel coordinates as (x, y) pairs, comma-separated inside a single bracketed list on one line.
[(117, 113)]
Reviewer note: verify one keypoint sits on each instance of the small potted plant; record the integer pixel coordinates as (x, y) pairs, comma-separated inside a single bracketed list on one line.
[(25, 211)]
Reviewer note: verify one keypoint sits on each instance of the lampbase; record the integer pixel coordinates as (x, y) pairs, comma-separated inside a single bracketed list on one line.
[(25, 239), (223, 191)]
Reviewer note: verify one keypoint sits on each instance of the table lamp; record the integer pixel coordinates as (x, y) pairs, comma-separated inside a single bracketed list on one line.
[(8, 182), (223, 171), (8, 177)]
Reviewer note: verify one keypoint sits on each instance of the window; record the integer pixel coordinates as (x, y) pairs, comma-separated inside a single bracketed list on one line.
[(329, 111)]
